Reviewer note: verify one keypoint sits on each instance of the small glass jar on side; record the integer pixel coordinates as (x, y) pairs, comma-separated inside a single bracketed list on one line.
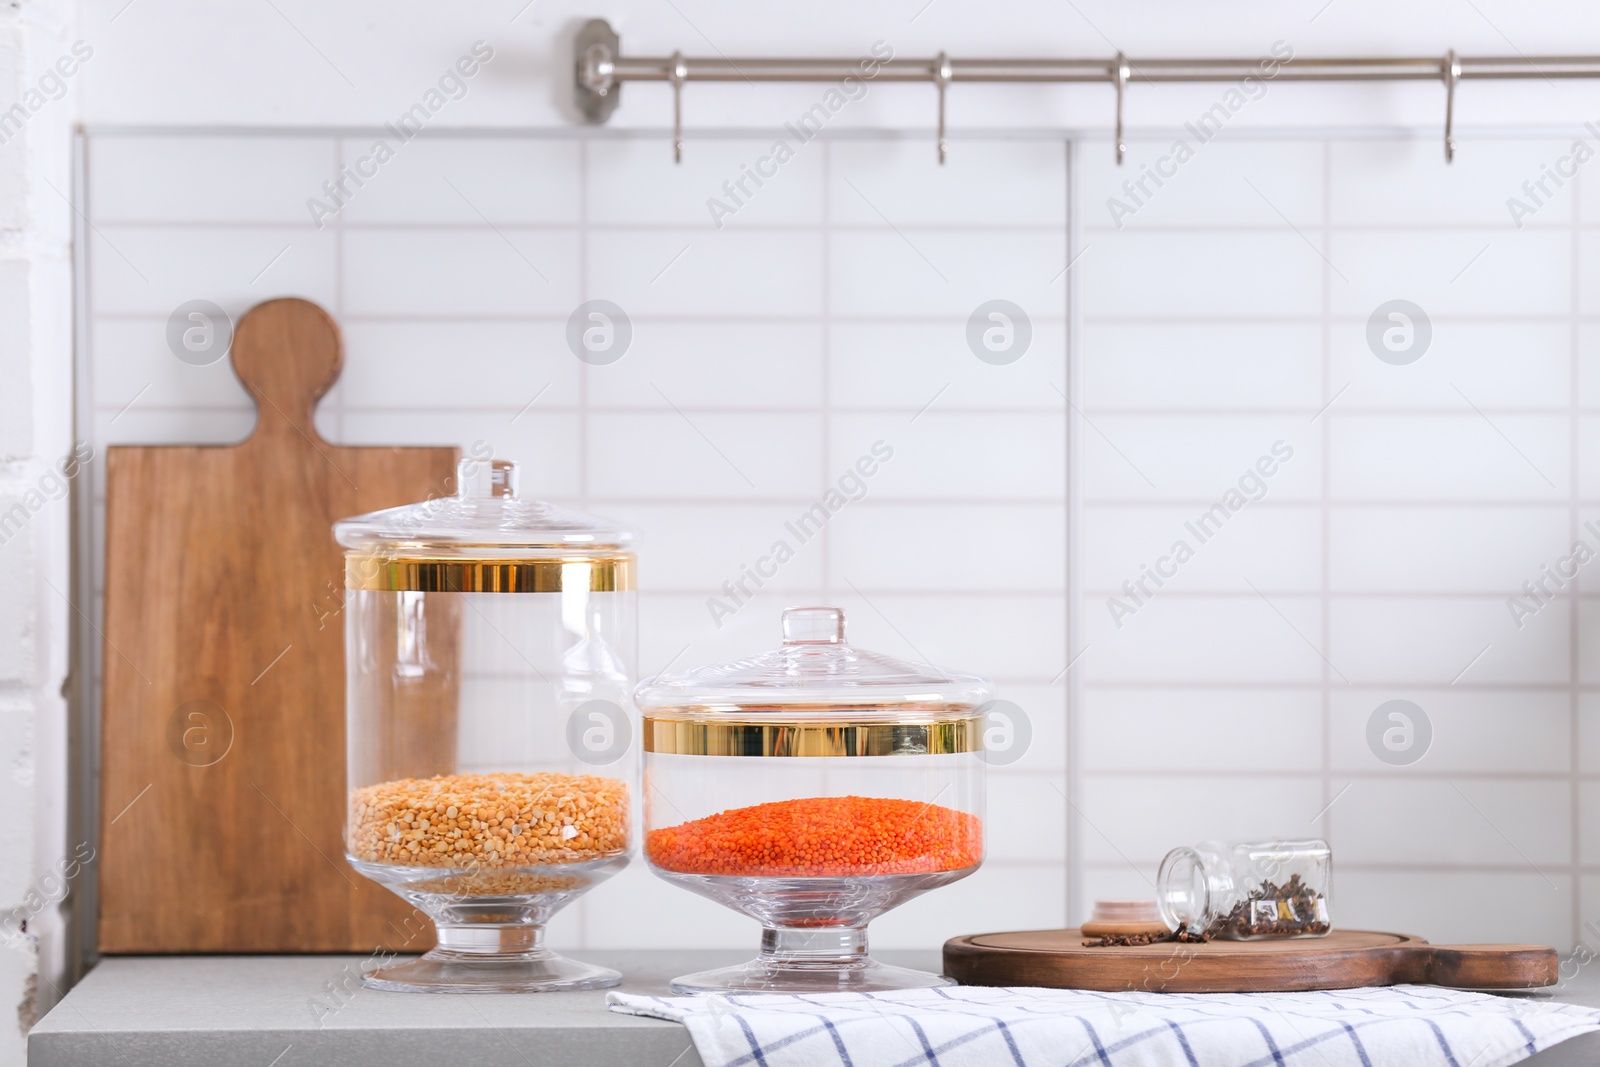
[(1247, 891), (813, 788)]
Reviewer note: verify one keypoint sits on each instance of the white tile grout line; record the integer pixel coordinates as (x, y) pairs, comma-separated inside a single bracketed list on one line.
[(1073, 905), (585, 371), (825, 407), (1574, 607), (1326, 508), (1028, 408), (1036, 227)]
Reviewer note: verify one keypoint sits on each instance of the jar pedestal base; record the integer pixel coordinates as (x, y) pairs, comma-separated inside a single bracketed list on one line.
[(761, 975), (450, 972), (484, 958), (809, 961)]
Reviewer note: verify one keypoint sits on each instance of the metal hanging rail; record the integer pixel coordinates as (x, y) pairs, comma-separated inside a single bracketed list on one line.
[(601, 68)]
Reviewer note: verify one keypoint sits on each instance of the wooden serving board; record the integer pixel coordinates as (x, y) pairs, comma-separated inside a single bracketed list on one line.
[(222, 789), (1344, 959)]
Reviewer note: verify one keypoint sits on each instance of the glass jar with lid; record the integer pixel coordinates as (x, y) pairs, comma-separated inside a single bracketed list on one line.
[(1247, 891), (813, 788), (490, 645)]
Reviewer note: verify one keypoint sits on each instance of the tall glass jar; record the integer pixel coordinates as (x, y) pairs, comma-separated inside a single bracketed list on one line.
[(1247, 891), (490, 647), (813, 788)]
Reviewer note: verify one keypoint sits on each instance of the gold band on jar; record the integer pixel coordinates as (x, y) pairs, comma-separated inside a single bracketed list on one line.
[(392, 573), (688, 738)]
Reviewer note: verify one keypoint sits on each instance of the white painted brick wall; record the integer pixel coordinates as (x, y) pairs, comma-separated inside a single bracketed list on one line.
[(35, 433)]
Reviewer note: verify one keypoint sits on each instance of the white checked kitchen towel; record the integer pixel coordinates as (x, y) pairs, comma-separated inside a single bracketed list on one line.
[(968, 1026)]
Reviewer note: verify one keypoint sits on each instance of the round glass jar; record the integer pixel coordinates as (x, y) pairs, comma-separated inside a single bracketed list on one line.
[(813, 788), (490, 647), (1247, 891)]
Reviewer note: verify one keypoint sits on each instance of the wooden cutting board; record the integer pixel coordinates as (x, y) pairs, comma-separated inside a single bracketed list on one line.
[(222, 789), (1344, 959)]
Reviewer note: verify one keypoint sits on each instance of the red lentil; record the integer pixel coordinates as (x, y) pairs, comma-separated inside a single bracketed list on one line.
[(822, 837)]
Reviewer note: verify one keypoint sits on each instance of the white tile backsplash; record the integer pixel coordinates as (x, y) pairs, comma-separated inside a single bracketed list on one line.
[(1409, 640), (150, 270), (466, 181), (1003, 547), (673, 454), (1005, 896), (547, 445), (1216, 274), (636, 182), (131, 359), (830, 311), (678, 629), (1279, 548), (1132, 730), (1474, 731), (1588, 363), (631, 910), (1045, 707), (1588, 262), (697, 547), (731, 274), (1408, 183), (1588, 427), (1236, 365), (1026, 820), (1226, 183), (1382, 561), (1520, 824), (119, 424), (1401, 549), (1006, 637), (1518, 363), (495, 364), (1463, 455), (1198, 457), (989, 183), (1516, 906), (927, 273), (956, 456), (467, 273), (1132, 820), (1260, 639), (734, 365), (908, 364), (187, 179), (1453, 271)]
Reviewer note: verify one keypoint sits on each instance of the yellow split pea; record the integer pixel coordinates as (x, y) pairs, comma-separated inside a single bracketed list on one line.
[(489, 820)]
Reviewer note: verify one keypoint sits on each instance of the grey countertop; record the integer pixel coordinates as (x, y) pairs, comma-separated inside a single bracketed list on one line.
[(287, 1011)]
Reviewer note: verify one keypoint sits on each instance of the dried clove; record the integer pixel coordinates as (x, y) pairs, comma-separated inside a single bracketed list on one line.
[(1293, 909), (1179, 936)]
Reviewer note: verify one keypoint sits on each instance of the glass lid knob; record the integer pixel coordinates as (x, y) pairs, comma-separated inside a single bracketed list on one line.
[(813, 626), (476, 479)]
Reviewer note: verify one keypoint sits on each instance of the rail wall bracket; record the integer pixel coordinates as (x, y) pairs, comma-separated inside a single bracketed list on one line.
[(597, 89)]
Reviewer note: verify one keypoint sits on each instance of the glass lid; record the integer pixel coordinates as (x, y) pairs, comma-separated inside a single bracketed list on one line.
[(814, 674), (485, 518)]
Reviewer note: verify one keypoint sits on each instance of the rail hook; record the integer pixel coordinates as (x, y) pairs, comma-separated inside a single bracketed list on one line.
[(677, 71), (942, 73), (1120, 75), (1452, 74)]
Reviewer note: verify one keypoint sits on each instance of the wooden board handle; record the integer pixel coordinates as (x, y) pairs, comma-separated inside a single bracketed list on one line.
[(1482, 966), (287, 353)]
